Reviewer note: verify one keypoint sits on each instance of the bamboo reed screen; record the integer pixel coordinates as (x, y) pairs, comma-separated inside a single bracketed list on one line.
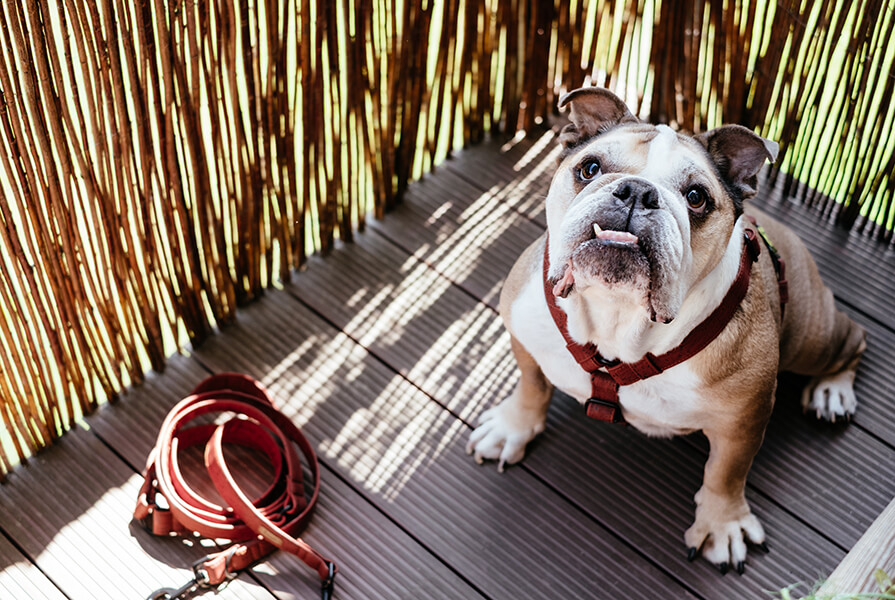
[(164, 161)]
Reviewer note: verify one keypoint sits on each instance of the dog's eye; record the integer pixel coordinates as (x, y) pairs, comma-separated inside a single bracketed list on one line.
[(589, 169), (696, 199)]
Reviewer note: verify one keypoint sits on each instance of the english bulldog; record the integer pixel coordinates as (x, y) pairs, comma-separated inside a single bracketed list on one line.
[(648, 235)]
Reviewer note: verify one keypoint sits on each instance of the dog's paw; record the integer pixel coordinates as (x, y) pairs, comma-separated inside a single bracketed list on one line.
[(721, 531), (831, 397), (503, 433)]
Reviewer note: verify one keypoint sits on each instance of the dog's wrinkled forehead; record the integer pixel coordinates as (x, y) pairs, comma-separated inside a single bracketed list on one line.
[(639, 147), (669, 160)]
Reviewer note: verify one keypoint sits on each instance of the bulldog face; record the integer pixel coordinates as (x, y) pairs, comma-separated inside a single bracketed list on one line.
[(639, 211)]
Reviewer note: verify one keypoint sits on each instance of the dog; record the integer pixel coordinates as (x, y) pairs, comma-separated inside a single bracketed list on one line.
[(648, 243)]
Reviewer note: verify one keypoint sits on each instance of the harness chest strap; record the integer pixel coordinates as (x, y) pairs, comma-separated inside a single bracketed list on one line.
[(606, 376), (257, 526)]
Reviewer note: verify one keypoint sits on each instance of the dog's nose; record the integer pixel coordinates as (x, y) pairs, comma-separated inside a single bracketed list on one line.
[(641, 192)]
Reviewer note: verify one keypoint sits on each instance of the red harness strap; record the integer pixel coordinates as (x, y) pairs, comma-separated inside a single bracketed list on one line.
[(607, 375), (779, 265), (257, 526)]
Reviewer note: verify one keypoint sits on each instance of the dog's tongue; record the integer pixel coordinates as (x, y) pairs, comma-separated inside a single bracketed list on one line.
[(564, 285), (610, 235)]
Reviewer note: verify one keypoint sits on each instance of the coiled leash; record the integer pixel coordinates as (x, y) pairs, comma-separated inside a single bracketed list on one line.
[(256, 526)]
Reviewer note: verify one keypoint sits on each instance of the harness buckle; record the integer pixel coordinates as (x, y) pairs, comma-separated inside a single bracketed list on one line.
[(593, 408), (605, 362), (752, 245)]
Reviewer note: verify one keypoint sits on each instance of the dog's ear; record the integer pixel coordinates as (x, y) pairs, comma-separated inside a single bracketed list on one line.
[(739, 155), (594, 110)]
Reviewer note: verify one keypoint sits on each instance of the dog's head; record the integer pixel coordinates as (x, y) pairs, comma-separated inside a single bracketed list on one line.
[(639, 210)]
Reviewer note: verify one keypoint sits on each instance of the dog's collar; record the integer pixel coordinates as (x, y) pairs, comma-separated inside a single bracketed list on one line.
[(606, 376)]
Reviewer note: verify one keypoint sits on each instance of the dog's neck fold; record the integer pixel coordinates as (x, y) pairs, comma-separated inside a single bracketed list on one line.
[(619, 325)]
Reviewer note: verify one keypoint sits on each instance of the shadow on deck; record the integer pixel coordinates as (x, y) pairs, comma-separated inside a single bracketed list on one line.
[(384, 353)]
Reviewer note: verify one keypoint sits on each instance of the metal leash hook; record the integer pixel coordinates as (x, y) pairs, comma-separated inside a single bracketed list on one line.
[(181, 593), (329, 583), (198, 585)]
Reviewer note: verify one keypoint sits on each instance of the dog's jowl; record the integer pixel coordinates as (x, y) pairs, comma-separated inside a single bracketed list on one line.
[(655, 299)]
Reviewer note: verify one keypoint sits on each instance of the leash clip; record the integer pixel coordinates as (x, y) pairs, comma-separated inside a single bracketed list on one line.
[(199, 584), (328, 584), (188, 590)]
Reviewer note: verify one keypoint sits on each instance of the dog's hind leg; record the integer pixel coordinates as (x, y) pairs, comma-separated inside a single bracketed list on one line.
[(817, 339), (830, 394), (506, 429), (831, 397)]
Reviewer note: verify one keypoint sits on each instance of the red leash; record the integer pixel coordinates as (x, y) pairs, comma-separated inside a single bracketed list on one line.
[(257, 526)]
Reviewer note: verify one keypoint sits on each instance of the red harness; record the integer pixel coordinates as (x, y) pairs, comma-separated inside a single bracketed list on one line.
[(607, 375)]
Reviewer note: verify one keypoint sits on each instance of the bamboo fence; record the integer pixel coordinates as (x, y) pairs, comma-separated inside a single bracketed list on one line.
[(165, 161)]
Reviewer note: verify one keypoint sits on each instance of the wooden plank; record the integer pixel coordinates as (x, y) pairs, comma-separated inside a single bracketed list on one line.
[(458, 230), (517, 173), (20, 579), (805, 466), (509, 536), (875, 550), (376, 559), (875, 383), (70, 509), (455, 349), (646, 486)]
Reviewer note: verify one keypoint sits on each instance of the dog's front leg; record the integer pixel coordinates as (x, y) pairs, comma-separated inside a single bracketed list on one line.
[(724, 522), (505, 429)]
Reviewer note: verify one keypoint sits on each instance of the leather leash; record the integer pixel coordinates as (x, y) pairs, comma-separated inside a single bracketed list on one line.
[(257, 526), (608, 375)]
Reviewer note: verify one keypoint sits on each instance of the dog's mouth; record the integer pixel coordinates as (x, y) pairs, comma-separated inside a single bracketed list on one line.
[(617, 239), (599, 242)]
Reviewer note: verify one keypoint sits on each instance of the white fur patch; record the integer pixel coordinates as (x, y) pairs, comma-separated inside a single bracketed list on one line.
[(831, 397), (532, 325), (663, 405), (722, 527), (503, 432), (666, 404)]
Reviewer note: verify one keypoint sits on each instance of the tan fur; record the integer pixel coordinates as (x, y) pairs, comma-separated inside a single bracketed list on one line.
[(817, 338)]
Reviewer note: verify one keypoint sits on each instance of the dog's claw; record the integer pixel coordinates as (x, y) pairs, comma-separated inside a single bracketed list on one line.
[(691, 554), (741, 567), (724, 568), (764, 547)]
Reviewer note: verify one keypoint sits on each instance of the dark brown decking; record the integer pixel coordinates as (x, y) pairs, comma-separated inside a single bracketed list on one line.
[(384, 353)]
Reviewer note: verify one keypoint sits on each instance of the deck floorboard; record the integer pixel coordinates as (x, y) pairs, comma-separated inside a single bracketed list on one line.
[(20, 578), (385, 352)]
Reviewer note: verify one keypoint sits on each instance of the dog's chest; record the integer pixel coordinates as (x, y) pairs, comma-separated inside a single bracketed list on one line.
[(666, 404)]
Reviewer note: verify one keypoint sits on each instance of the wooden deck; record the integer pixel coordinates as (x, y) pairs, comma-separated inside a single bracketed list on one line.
[(384, 353)]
